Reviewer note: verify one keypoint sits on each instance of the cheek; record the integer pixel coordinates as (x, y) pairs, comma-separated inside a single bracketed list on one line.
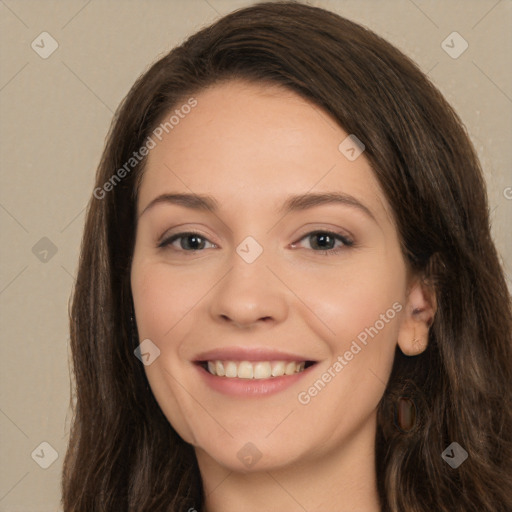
[(162, 300), (363, 292), (361, 306), (163, 297)]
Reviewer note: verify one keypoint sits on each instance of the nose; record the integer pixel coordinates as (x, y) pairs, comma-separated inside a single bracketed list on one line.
[(249, 295)]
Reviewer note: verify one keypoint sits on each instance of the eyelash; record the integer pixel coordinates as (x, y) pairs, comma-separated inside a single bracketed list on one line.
[(323, 252)]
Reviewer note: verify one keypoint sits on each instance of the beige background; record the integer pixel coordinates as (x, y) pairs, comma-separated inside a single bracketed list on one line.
[(55, 113)]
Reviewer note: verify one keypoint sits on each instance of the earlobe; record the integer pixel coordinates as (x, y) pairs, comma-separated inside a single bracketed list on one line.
[(413, 337), (419, 315)]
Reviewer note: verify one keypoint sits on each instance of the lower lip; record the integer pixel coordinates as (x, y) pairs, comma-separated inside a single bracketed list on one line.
[(235, 386)]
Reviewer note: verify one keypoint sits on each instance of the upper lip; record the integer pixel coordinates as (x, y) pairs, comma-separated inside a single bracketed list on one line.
[(248, 354)]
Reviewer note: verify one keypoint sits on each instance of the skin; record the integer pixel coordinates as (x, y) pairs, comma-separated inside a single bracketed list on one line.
[(250, 146)]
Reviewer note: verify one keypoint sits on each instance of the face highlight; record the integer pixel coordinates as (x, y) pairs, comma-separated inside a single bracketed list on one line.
[(263, 258)]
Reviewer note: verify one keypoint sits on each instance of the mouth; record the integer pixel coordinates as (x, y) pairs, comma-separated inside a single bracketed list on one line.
[(244, 372), (254, 370)]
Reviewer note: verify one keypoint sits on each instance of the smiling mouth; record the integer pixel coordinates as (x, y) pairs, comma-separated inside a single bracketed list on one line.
[(254, 369)]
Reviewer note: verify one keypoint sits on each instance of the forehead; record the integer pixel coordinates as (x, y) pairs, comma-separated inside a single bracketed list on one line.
[(252, 144)]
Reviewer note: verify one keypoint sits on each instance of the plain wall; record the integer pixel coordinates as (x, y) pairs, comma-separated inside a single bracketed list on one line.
[(55, 113)]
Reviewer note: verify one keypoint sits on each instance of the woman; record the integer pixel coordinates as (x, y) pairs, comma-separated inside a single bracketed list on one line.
[(288, 297)]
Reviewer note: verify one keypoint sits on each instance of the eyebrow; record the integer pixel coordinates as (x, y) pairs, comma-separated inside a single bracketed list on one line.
[(292, 203)]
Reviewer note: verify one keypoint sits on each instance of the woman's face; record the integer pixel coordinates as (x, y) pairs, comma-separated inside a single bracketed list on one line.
[(278, 275)]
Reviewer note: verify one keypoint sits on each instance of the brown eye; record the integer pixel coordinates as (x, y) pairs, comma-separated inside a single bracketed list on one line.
[(188, 242), (324, 242)]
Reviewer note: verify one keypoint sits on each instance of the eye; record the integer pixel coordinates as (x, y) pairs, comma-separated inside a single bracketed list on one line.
[(321, 242), (324, 242), (188, 242)]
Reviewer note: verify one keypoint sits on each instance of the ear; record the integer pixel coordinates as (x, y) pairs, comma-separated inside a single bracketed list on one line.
[(420, 308)]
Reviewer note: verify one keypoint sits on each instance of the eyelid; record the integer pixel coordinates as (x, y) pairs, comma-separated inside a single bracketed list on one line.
[(343, 236), (181, 230), (166, 239)]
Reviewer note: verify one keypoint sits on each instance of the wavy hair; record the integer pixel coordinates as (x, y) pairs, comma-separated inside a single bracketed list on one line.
[(428, 169)]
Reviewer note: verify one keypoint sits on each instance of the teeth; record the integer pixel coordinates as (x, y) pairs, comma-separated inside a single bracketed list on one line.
[(290, 369), (245, 370), (278, 368), (262, 370), (219, 369), (231, 369), (255, 370)]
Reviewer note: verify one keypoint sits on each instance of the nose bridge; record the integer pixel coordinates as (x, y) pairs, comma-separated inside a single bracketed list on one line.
[(249, 292)]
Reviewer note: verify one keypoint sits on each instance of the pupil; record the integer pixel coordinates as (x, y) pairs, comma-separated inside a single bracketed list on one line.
[(195, 244), (324, 239)]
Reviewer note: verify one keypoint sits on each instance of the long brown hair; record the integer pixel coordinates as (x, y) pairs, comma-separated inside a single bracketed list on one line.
[(123, 454)]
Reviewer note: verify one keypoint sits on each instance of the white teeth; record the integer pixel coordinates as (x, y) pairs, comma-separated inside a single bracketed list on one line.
[(290, 369), (255, 370), (262, 370), (219, 369), (231, 369), (245, 370), (278, 369)]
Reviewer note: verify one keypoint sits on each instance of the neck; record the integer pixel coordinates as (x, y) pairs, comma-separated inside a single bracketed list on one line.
[(342, 479)]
